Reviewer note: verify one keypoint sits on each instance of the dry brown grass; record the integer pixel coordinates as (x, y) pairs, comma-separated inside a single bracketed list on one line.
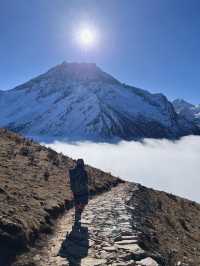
[(34, 188), (170, 226)]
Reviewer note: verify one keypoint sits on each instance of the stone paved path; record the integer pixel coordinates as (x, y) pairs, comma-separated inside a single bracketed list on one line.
[(105, 237)]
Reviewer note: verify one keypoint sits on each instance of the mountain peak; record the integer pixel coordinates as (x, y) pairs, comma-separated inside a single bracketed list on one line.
[(180, 104), (78, 64), (181, 101), (81, 72), (188, 110), (78, 101)]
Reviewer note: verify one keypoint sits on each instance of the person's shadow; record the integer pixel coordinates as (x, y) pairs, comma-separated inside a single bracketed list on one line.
[(75, 246)]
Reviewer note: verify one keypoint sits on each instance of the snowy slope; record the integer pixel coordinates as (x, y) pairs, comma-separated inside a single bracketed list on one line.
[(189, 111), (79, 101)]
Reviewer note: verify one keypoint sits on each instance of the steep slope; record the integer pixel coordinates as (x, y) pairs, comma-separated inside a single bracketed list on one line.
[(169, 226), (80, 101), (189, 111), (34, 188)]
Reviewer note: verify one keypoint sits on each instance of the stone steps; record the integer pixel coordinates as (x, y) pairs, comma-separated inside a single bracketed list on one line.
[(106, 236)]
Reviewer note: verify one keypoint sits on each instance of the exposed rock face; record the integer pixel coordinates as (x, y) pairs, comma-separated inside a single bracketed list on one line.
[(34, 188), (81, 102)]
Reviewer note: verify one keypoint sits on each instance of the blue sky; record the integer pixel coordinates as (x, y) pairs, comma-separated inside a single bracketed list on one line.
[(152, 44)]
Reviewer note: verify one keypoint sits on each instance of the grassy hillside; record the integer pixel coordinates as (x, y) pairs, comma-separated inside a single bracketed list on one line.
[(170, 226), (34, 188)]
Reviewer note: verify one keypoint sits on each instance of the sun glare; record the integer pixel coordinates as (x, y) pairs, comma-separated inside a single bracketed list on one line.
[(87, 37)]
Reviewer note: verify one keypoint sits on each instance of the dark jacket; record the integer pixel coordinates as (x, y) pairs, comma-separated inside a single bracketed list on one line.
[(78, 180)]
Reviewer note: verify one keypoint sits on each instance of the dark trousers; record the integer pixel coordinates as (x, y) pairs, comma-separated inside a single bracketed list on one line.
[(80, 201)]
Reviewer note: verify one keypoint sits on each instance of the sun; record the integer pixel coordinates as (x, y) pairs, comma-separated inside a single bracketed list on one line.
[(87, 37)]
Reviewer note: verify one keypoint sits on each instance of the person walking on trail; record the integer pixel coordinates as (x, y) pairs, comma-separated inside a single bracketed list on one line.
[(79, 186)]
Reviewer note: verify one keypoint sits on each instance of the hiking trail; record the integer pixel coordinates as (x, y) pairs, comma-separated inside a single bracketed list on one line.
[(106, 237)]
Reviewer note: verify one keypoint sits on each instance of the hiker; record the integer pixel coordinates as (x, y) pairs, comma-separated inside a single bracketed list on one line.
[(79, 186)]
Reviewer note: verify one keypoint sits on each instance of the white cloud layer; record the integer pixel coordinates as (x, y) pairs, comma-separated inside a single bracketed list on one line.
[(161, 164)]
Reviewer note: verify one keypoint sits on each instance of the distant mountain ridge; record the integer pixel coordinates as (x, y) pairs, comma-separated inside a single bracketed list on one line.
[(190, 111), (78, 101)]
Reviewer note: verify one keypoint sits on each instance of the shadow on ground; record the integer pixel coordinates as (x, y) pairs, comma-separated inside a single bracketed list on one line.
[(75, 247)]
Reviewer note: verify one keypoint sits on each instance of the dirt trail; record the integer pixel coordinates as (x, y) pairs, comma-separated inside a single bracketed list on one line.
[(106, 236)]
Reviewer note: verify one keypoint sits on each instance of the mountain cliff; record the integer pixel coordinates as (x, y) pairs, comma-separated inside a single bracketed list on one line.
[(78, 101)]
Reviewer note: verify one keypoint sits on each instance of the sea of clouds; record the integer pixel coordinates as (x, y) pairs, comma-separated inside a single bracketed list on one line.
[(161, 164)]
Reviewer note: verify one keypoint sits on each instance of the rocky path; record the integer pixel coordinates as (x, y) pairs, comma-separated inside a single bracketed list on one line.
[(106, 236)]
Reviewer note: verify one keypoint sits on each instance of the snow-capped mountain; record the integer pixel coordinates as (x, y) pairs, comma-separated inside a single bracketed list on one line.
[(78, 101), (189, 111)]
